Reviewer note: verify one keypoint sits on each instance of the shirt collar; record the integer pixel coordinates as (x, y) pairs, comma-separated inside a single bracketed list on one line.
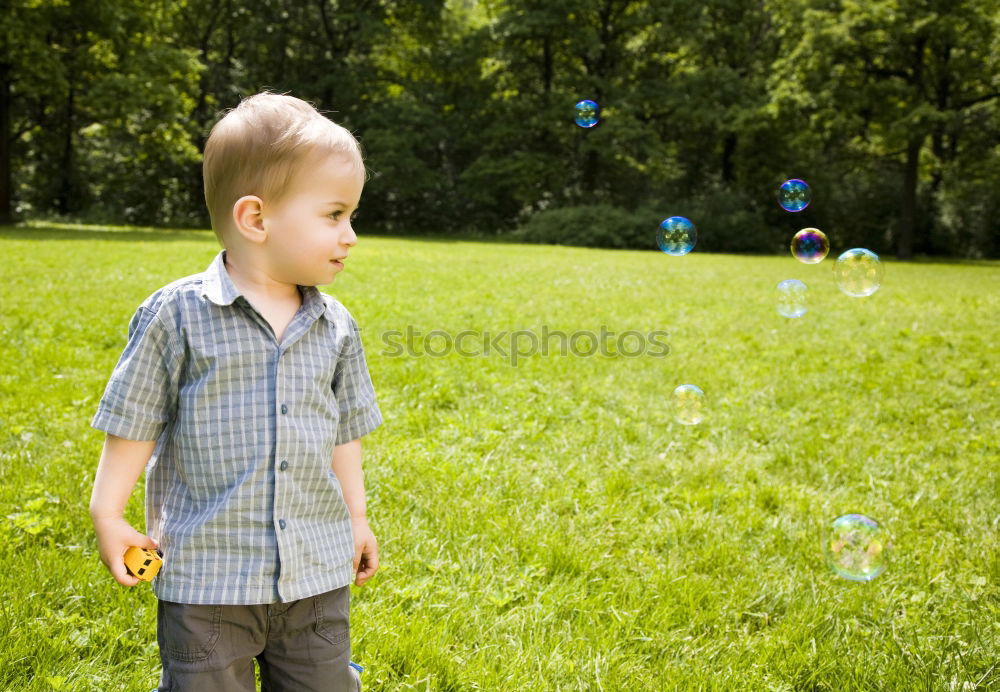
[(219, 288)]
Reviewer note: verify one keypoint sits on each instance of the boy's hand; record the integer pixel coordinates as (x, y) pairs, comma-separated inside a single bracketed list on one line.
[(365, 551), (114, 537)]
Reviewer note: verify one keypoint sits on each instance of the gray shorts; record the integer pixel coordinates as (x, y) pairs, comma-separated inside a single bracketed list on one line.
[(303, 645)]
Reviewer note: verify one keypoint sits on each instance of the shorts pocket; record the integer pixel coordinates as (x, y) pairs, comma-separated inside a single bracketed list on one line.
[(331, 609), (189, 631)]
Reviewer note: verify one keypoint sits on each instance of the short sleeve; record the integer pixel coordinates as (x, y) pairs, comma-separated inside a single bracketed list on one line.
[(353, 390), (141, 396)]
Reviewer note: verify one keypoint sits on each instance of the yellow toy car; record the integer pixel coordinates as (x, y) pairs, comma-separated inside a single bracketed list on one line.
[(143, 563)]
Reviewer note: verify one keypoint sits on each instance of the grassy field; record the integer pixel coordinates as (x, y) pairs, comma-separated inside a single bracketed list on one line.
[(547, 525)]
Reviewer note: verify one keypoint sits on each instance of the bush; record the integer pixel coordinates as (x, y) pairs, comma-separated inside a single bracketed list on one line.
[(729, 220), (598, 225), (726, 221)]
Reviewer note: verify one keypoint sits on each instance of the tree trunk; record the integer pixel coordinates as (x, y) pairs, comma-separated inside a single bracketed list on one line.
[(908, 212), (547, 68), (64, 197), (728, 153), (6, 212)]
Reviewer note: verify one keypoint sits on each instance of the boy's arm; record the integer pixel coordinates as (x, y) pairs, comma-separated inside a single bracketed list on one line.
[(359, 415), (347, 467), (121, 464)]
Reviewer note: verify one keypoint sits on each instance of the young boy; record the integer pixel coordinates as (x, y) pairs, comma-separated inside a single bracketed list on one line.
[(247, 392)]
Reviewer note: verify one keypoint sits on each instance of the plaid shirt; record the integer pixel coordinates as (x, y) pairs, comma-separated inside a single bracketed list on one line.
[(240, 491)]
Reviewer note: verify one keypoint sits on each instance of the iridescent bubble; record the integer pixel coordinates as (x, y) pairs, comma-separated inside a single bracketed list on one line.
[(676, 236), (810, 245), (856, 547), (792, 298), (794, 195), (858, 272), (689, 404), (586, 113)]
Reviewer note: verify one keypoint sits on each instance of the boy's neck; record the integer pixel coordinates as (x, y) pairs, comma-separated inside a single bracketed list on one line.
[(269, 292)]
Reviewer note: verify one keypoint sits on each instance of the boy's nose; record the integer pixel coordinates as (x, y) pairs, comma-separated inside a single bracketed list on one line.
[(350, 237)]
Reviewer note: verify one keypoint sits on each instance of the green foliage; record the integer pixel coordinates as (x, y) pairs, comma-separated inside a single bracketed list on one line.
[(101, 104), (901, 95), (464, 108), (596, 226), (725, 219), (729, 220)]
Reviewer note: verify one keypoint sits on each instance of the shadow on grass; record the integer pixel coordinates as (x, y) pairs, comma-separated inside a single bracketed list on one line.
[(67, 231), (42, 230)]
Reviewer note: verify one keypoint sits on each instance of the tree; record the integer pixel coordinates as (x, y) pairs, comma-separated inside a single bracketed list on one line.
[(894, 82), (98, 108)]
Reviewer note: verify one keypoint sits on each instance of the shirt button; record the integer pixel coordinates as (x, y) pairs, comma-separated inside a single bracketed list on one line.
[(284, 409), (281, 523), (284, 465)]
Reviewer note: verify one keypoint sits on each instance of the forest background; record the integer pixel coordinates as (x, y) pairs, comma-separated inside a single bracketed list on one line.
[(890, 110)]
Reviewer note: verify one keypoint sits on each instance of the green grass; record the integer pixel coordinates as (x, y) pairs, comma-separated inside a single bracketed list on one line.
[(547, 525)]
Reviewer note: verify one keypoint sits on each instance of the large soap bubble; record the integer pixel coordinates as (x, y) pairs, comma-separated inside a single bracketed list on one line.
[(677, 236), (794, 195), (858, 272), (587, 113), (689, 404), (792, 298), (810, 246), (856, 547)]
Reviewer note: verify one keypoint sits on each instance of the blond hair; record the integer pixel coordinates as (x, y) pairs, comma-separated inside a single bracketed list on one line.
[(258, 147)]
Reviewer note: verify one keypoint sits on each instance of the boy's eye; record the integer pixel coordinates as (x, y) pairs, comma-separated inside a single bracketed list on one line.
[(337, 214)]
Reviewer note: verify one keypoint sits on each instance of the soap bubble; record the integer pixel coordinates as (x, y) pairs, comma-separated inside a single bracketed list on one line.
[(586, 113), (856, 547), (792, 298), (689, 404), (810, 245), (858, 272), (794, 195), (676, 236)]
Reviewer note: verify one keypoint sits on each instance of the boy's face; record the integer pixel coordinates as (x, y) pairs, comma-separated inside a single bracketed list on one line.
[(311, 227)]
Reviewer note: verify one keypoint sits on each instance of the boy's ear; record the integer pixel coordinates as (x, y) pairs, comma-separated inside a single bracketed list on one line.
[(248, 218)]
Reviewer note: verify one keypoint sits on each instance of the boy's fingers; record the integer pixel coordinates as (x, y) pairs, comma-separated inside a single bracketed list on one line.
[(122, 576), (364, 576), (371, 566), (120, 572)]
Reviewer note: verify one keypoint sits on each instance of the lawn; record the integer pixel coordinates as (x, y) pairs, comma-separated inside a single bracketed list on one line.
[(545, 524)]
